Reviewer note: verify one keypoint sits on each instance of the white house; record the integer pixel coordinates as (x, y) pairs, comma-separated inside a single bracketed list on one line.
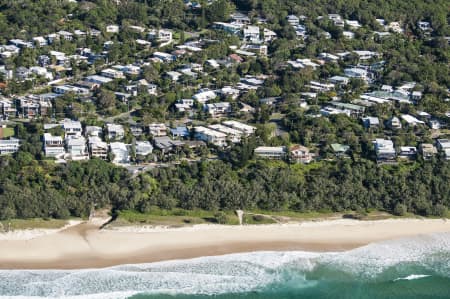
[(271, 152), (143, 148), (112, 73), (356, 73), (112, 29), (384, 149), (157, 129), (97, 148), (76, 148), (120, 152), (72, 127), (252, 34), (65, 35), (53, 145), (93, 131), (40, 41), (115, 132), (210, 136), (293, 20), (204, 96), (411, 120), (232, 134), (246, 129), (165, 35), (9, 146), (269, 35), (218, 109)]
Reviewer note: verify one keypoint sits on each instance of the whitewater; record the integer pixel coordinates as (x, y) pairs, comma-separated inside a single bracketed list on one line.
[(375, 270)]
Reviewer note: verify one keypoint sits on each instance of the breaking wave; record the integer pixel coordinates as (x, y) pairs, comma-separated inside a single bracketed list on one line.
[(238, 273)]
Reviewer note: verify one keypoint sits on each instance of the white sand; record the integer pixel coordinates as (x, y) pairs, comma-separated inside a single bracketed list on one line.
[(84, 246)]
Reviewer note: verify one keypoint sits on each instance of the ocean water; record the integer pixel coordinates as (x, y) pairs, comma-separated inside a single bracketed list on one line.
[(408, 268)]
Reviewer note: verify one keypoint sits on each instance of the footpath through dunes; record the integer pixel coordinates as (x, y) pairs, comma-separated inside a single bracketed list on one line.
[(86, 245)]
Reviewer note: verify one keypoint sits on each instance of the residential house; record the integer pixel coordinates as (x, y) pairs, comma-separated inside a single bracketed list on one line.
[(252, 34), (227, 27), (97, 148), (300, 154), (180, 132), (9, 146), (40, 41), (157, 129), (22, 73), (244, 128), (91, 131), (76, 148), (112, 29), (340, 80), (210, 136), (271, 152), (218, 109), (424, 26), (7, 108), (394, 123), (293, 20), (384, 149), (427, 150), (65, 35), (370, 122), (443, 144), (162, 35), (164, 57), (434, 124), (411, 120), (233, 135), (357, 73), (115, 132), (204, 96), (416, 96), (269, 35), (340, 150), (53, 145), (241, 19), (174, 75), (63, 89), (99, 80), (184, 105), (120, 152), (166, 145), (72, 128), (136, 130), (143, 148), (354, 24), (348, 34), (228, 91), (257, 49), (112, 73), (408, 152)]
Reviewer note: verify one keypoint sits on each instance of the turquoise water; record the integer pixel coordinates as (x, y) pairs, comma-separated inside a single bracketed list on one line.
[(407, 268)]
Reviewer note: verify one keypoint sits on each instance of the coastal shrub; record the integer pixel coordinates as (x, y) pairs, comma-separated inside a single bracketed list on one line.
[(440, 210), (400, 209), (221, 217)]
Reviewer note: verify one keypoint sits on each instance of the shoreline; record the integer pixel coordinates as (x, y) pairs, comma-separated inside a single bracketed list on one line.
[(85, 246)]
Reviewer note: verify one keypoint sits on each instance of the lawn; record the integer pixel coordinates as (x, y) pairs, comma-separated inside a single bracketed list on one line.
[(16, 224), (8, 132)]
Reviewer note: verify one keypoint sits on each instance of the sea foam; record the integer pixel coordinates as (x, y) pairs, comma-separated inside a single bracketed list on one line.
[(234, 273)]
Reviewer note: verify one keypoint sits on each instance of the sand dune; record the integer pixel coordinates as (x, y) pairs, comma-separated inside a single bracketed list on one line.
[(86, 246)]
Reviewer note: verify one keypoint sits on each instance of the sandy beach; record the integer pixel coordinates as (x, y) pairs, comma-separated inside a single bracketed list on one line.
[(86, 246)]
